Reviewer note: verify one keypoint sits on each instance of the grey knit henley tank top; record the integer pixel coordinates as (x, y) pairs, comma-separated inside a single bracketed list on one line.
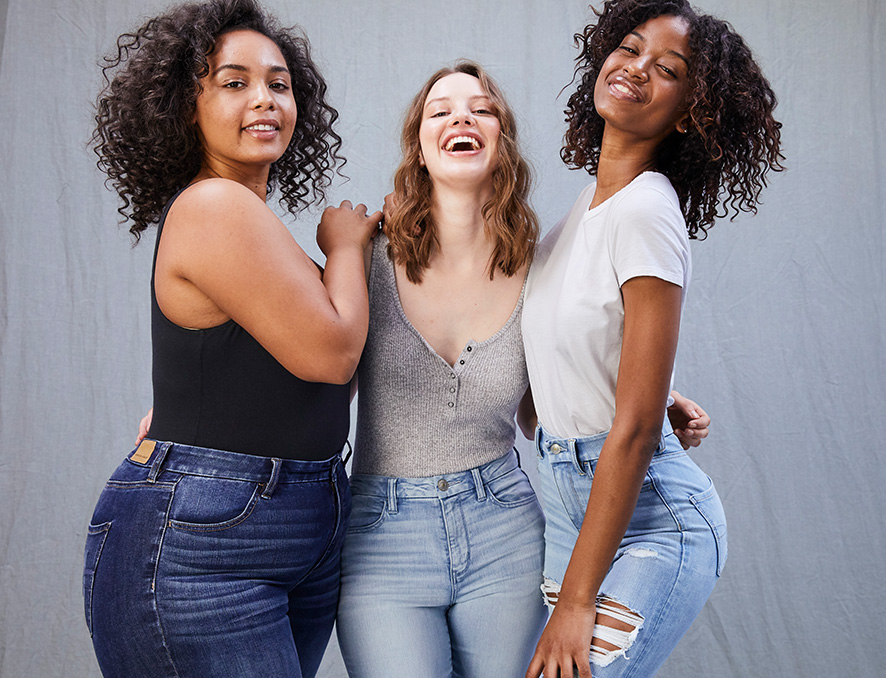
[(419, 416)]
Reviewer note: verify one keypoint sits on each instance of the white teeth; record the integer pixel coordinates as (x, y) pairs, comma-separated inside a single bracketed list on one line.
[(475, 145), (621, 88), (262, 128)]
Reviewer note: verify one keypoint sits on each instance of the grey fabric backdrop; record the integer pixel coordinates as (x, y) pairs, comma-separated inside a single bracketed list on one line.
[(783, 338)]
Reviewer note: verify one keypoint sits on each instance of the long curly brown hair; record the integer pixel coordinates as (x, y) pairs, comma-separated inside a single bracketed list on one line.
[(144, 137), (509, 219), (719, 166)]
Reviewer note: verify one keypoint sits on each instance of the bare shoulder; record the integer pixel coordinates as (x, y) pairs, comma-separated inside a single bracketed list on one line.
[(215, 203)]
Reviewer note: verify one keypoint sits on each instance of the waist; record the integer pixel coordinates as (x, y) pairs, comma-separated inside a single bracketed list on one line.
[(437, 486), (588, 448), (204, 461)]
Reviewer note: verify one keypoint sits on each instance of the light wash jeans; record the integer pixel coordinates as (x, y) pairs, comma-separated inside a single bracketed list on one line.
[(668, 562), (441, 575), (204, 563)]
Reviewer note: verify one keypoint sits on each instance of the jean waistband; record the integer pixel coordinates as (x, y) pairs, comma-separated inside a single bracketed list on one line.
[(588, 448), (204, 461), (444, 485)]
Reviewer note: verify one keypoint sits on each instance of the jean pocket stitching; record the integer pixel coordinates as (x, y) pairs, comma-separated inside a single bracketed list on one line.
[(699, 501), (223, 525), (95, 533), (517, 503)]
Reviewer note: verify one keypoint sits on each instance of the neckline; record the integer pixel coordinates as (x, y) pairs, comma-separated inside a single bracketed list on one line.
[(392, 279), (594, 210)]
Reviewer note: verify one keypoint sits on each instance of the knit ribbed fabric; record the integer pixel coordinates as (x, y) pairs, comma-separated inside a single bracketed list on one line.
[(419, 416)]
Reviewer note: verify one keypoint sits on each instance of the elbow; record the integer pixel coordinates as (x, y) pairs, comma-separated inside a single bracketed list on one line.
[(640, 437)]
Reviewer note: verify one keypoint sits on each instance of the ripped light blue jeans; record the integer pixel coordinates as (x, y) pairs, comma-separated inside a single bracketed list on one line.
[(667, 564)]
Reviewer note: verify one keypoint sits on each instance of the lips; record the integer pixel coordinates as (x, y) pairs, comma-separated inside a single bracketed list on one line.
[(623, 89), (462, 142), (262, 126)]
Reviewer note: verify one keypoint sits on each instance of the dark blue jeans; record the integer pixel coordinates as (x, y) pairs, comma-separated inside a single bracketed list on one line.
[(203, 563)]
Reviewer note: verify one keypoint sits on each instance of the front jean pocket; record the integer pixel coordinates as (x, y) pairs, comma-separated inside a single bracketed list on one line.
[(95, 541), (710, 508), (367, 512), (207, 504), (511, 489)]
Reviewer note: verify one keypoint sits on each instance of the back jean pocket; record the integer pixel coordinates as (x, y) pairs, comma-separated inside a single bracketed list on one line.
[(709, 506), (95, 541)]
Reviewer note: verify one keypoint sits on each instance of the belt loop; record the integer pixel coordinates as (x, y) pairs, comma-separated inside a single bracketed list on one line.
[(159, 458), (573, 453), (347, 457), (538, 441), (271, 485), (478, 484), (392, 495)]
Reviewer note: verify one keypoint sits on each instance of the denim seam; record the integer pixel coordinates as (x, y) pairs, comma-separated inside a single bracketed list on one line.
[(333, 481), (92, 531), (154, 582)]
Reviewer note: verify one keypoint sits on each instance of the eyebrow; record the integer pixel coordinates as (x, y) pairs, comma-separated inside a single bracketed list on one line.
[(243, 69), (471, 99), (670, 51)]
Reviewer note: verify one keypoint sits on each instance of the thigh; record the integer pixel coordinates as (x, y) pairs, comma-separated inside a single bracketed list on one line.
[(499, 612), (395, 590), (227, 569)]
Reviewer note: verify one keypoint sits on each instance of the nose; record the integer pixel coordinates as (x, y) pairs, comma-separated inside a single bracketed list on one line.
[(261, 97), (463, 118), (637, 68)]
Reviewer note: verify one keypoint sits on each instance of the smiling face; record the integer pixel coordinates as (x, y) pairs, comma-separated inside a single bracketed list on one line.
[(459, 132), (643, 85), (246, 113)]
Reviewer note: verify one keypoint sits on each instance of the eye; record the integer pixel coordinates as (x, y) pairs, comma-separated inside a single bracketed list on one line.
[(626, 48), (440, 114), (668, 71), (483, 111), (279, 86), (234, 84)]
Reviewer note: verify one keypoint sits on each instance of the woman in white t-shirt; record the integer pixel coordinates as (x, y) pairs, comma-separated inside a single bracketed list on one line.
[(670, 111)]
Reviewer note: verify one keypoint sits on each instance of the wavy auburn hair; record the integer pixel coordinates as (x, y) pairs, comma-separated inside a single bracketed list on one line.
[(508, 218), (145, 139), (732, 140)]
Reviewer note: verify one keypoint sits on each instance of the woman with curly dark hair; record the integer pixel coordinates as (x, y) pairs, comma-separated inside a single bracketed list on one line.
[(671, 115), (214, 547)]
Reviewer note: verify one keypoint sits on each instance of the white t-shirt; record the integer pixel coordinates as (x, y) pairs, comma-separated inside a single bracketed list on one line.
[(573, 313)]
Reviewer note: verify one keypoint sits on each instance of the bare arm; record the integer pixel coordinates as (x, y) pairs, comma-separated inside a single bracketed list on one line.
[(225, 254), (651, 327)]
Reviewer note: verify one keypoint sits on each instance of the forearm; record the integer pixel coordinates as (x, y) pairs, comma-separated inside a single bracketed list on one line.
[(345, 283), (618, 478)]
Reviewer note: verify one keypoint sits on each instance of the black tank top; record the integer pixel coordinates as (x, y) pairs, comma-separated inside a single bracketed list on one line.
[(219, 388)]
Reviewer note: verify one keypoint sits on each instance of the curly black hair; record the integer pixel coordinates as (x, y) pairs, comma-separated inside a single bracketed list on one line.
[(144, 136), (733, 139)]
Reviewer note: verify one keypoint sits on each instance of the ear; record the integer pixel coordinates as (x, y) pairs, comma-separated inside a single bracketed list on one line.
[(683, 124), (421, 160)]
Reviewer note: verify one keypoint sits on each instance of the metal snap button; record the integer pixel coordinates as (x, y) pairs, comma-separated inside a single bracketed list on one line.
[(555, 449), (442, 485)]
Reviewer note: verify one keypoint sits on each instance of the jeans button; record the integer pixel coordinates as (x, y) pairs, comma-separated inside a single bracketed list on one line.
[(442, 485), (555, 449)]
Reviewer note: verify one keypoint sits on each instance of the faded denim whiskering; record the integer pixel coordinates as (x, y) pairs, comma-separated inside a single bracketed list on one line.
[(203, 563), (667, 564), (440, 575)]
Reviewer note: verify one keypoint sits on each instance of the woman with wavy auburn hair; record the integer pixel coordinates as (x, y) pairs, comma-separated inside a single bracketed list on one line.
[(442, 560), (508, 219)]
